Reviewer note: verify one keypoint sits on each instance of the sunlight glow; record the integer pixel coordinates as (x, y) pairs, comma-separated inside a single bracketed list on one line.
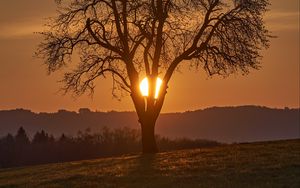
[(144, 87)]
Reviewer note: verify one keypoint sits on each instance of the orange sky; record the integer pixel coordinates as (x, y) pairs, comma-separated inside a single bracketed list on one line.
[(24, 83)]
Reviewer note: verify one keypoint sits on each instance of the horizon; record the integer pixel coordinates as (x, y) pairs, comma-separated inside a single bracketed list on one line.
[(132, 111), (237, 123)]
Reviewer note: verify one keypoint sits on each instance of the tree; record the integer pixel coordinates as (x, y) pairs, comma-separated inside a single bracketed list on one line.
[(21, 137), (8, 140), (42, 138), (131, 39), (7, 150)]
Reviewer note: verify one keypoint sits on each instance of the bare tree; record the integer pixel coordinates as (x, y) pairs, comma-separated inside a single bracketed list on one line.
[(131, 39)]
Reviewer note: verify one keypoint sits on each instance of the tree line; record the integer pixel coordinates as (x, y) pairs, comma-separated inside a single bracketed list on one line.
[(20, 150)]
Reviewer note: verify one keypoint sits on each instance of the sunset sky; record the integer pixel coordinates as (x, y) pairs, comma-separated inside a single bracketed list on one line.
[(25, 84)]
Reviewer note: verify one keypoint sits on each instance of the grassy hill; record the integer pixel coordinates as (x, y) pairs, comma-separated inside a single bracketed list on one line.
[(264, 164)]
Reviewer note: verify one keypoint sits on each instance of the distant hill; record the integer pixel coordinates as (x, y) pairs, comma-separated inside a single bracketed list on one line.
[(225, 124), (265, 164)]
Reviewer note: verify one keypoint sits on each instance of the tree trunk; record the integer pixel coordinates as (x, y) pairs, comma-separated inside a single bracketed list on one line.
[(148, 136), (148, 110)]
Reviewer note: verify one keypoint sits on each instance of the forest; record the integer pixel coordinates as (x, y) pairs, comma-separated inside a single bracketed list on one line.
[(20, 150)]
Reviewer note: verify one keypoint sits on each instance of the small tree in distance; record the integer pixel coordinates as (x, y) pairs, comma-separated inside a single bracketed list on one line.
[(21, 137), (133, 39)]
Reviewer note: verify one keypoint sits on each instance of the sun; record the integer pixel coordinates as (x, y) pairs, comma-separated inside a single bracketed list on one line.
[(144, 87)]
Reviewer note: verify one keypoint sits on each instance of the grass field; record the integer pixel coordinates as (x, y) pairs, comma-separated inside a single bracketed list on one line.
[(265, 164)]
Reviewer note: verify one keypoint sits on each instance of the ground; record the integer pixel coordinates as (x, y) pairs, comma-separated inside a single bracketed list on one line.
[(262, 164)]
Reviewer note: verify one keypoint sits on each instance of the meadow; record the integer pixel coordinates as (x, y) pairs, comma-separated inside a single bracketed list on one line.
[(261, 164)]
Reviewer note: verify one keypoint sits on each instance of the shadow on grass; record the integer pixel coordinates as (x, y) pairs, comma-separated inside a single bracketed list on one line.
[(146, 172)]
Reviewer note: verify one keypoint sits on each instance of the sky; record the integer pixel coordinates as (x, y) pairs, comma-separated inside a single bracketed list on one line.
[(25, 84)]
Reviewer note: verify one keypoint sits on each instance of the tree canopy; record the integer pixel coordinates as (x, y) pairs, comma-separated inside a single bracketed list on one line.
[(132, 39), (128, 38)]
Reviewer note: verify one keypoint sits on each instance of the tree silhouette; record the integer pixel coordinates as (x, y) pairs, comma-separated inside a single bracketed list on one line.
[(42, 138), (86, 145), (21, 137), (131, 39)]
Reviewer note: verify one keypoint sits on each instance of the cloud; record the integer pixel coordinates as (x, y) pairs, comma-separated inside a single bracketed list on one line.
[(23, 18), (16, 30), (280, 20)]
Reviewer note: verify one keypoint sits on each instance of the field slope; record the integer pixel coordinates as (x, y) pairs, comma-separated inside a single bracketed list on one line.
[(265, 164)]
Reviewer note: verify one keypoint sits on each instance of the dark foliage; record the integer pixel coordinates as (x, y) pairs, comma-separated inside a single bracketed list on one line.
[(19, 150)]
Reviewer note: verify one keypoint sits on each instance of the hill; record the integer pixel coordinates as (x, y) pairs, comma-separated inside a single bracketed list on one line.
[(224, 124), (263, 164)]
